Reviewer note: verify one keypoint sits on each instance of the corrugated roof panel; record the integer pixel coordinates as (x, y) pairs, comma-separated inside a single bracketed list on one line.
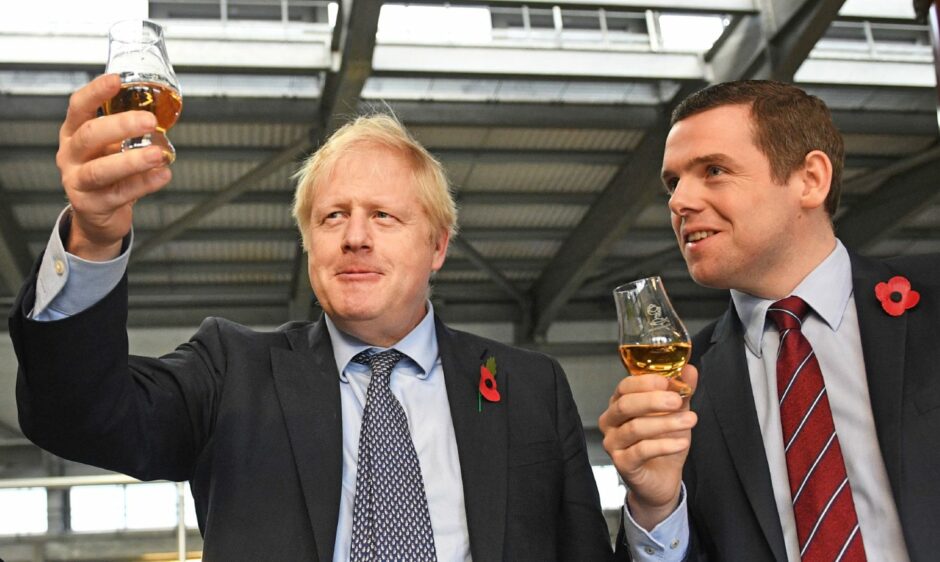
[(255, 277), (37, 216), (457, 172), (527, 138), (197, 175), (562, 139), (655, 214), (513, 248), (464, 276), (450, 137), (629, 248), (564, 178), (236, 215), (237, 134), (30, 133), (38, 175), (226, 251), (534, 216)]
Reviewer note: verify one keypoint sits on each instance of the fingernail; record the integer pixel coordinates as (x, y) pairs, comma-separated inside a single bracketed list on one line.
[(156, 156), (162, 174)]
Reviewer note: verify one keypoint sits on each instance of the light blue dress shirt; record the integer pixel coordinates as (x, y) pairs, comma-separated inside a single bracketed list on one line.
[(418, 383), (832, 329), (67, 285)]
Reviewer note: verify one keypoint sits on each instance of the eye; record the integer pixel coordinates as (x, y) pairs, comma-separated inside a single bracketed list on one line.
[(332, 216), (714, 171)]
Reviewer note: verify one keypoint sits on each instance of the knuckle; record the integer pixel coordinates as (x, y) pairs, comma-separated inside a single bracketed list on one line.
[(83, 136), (92, 173), (74, 101)]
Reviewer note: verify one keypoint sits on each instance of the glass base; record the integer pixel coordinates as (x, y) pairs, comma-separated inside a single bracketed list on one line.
[(151, 139)]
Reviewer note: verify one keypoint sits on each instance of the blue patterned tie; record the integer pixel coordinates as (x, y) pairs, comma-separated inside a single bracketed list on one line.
[(390, 513)]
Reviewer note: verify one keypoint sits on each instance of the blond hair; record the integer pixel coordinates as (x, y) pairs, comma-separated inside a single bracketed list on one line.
[(384, 130)]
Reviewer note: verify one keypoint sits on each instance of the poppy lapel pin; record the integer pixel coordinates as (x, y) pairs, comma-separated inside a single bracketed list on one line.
[(487, 388), (896, 295)]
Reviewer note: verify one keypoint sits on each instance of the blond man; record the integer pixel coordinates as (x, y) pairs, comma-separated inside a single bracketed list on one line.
[(355, 437)]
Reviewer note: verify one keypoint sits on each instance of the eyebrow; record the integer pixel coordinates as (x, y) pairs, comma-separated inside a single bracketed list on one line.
[(715, 158)]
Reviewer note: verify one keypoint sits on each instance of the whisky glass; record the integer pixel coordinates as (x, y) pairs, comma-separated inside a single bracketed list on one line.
[(652, 338), (137, 53)]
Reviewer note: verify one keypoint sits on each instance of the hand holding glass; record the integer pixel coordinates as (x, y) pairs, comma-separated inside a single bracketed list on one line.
[(137, 53), (653, 339)]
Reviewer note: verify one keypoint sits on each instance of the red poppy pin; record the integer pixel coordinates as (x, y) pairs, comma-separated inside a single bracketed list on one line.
[(488, 388), (896, 295)]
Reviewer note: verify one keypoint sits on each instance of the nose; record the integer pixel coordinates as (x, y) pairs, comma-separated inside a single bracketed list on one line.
[(357, 235), (686, 198)]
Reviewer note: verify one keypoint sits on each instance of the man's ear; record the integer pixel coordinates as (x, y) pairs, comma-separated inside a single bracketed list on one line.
[(440, 249), (816, 178)]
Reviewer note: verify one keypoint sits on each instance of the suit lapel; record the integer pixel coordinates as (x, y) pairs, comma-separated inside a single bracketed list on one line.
[(884, 339), (728, 388), (482, 442), (307, 386)]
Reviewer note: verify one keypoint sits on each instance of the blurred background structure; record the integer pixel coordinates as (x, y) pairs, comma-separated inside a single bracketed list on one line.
[(550, 119)]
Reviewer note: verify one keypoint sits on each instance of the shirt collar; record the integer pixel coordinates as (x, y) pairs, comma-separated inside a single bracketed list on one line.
[(826, 290), (419, 345)]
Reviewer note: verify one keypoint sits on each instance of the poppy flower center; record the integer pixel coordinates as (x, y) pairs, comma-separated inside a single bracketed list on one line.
[(896, 297), (488, 383)]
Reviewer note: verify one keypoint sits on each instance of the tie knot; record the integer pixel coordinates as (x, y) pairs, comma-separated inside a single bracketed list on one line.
[(381, 363), (788, 313)]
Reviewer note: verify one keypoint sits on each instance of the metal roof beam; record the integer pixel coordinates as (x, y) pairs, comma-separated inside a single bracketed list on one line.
[(773, 43), (357, 25), (15, 258), (903, 191), (616, 210)]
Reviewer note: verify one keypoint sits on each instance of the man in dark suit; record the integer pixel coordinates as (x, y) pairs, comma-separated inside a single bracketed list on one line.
[(762, 466), (371, 434)]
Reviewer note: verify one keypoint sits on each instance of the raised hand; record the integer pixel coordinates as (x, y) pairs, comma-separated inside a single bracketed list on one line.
[(647, 432), (101, 182)]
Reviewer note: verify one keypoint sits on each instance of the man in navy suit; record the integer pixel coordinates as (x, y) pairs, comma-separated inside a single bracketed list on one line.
[(269, 427), (753, 171)]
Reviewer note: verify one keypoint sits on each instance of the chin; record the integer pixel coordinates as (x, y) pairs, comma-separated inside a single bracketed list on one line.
[(706, 278)]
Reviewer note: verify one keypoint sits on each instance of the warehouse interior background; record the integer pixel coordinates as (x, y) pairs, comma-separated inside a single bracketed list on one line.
[(549, 117)]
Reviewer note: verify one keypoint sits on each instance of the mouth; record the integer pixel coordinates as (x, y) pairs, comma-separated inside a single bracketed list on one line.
[(698, 236), (357, 274)]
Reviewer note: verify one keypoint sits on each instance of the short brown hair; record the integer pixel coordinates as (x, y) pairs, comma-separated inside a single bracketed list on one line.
[(384, 130), (788, 124)]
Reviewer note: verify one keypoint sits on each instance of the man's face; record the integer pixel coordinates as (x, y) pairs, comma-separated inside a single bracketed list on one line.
[(371, 249), (735, 225)]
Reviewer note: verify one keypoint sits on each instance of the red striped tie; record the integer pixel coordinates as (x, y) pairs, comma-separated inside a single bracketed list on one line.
[(826, 523)]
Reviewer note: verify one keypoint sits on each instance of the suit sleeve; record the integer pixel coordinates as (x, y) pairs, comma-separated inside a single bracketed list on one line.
[(83, 397), (584, 531)]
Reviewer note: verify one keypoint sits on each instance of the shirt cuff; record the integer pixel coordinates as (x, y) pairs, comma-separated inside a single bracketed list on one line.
[(667, 542), (67, 284)]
